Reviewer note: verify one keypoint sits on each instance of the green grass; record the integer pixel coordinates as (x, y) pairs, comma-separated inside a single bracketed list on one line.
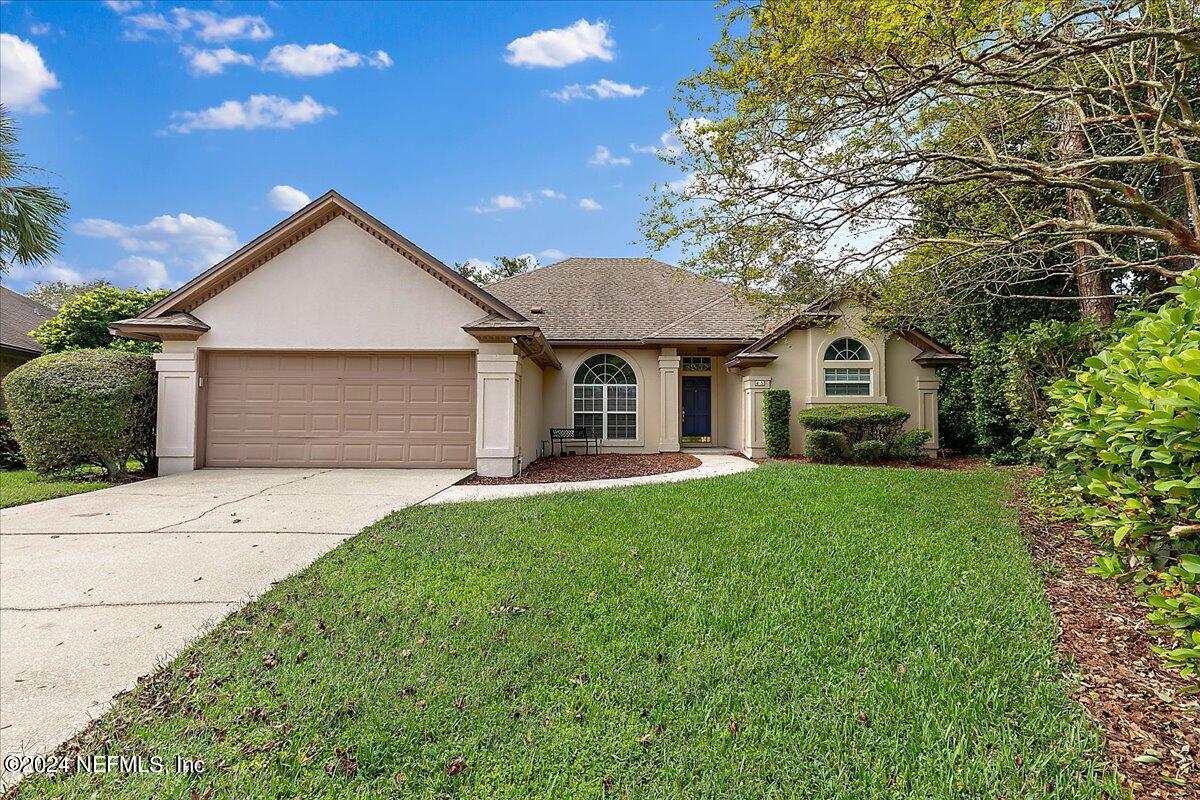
[(874, 633), (21, 486)]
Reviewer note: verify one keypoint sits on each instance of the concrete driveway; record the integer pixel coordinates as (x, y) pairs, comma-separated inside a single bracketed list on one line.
[(97, 589)]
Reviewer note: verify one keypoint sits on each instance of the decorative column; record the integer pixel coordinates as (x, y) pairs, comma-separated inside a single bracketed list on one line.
[(668, 405), (927, 409), (496, 400), (754, 444), (178, 396)]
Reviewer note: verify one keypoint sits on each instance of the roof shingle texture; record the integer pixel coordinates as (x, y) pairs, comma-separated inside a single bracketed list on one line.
[(18, 316), (617, 299)]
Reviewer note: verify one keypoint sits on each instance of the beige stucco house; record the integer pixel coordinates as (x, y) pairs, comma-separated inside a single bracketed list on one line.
[(331, 340)]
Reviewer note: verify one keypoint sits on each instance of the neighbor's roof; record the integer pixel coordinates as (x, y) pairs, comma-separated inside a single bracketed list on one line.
[(626, 299), (18, 316)]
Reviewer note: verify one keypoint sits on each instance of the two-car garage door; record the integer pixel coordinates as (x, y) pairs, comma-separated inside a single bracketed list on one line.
[(293, 409)]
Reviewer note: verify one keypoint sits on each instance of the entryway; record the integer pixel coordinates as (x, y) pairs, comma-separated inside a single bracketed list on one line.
[(697, 408)]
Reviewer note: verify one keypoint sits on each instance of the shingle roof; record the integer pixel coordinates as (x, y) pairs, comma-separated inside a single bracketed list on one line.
[(614, 299), (18, 316)]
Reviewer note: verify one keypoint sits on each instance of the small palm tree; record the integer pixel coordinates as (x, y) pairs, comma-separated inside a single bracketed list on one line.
[(31, 216)]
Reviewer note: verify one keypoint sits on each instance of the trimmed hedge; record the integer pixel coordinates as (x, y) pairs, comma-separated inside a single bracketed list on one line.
[(907, 446), (1123, 434), (10, 450), (83, 407), (826, 446), (868, 451), (858, 421), (777, 412)]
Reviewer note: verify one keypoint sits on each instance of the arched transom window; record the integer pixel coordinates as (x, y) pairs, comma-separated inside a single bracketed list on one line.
[(847, 369), (605, 397)]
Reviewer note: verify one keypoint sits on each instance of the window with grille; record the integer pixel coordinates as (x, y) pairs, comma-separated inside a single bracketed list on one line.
[(604, 398), (848, 381), (696, 364)]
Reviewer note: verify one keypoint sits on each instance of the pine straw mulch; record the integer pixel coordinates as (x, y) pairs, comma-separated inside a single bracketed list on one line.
[(569, 469), (1143, 709)]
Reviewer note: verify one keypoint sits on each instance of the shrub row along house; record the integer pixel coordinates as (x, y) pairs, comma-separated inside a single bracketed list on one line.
[(331, 340)]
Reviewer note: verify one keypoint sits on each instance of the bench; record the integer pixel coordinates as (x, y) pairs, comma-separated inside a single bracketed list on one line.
[(563, 436)]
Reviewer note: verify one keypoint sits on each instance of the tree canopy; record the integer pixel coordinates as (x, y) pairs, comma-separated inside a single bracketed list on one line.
[(83, 321)]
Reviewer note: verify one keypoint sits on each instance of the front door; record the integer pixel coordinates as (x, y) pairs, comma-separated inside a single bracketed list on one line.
[(697, 405)]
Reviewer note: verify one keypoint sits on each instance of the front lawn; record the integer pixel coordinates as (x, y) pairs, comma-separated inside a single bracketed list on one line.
[(795, 631), (21, 486)]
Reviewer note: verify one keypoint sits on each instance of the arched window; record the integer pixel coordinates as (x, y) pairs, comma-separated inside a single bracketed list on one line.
[(605, 397), (844, 380)]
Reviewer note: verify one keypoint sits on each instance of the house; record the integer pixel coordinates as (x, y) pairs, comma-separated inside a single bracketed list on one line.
[(331, 340), (18, 316)]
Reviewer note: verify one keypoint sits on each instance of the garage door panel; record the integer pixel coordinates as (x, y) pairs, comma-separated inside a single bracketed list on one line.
[(340, 409)]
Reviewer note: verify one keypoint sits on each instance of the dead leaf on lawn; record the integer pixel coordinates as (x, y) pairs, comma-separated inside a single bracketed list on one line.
[(456, 766)]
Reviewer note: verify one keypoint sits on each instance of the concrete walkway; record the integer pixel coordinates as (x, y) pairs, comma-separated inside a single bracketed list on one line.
[(96, 589), (711, 466)]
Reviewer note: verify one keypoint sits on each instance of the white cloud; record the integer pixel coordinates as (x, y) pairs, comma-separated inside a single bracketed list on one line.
[(671, 142), (40, 28), (23, 75), (559, 47), (185, 240), (500, 202), (603, 89), (140, 26), (123, 6), (603, 158), (552, 254), (211, 27), (213, 62), (588, 204), (287, 198), (259, 111), (309, 61), (24, 276), (140, 271), (550, 194)]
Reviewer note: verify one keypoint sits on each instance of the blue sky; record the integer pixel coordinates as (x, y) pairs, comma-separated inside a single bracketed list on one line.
[(473, 129)]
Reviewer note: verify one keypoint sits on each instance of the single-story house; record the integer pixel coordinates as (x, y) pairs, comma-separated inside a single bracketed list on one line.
[(333, 341), (19, 315)]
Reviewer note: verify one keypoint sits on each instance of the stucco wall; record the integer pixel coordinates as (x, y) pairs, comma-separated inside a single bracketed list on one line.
[(727, 406), (339, 289), (531, 433), (556, 394)]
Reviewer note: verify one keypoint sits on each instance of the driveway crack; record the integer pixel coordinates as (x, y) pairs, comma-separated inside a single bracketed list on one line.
[(239, 500)]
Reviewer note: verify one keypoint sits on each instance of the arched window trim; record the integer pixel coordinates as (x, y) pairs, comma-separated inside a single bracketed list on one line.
[(844, 376), (605, 397)]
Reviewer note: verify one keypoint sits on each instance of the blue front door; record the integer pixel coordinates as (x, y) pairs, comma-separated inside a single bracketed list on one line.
[(697, 405)]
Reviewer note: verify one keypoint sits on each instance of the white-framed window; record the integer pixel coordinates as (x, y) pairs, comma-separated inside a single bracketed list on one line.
[(605, 397), (850, 375)]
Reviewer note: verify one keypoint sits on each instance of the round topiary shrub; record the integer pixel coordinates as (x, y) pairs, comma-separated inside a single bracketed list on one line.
[(826, 446), (868, 451), (777, 411), (83, 407), (858, 421), (908, 445)]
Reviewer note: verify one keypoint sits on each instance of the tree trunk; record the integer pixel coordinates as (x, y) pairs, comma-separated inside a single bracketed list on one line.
[(1093, 284)]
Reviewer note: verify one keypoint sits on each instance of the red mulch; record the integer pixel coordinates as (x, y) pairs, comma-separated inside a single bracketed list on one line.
[(1141, 707), (954, 463), (554, 469)]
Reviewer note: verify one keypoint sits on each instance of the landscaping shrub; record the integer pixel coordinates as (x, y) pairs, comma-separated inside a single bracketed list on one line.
[(83, 321), (826, 446), (10, 450), (868, 451), (777, 412), (1125, 434), (83, 407), (857, 421), (907, 446)]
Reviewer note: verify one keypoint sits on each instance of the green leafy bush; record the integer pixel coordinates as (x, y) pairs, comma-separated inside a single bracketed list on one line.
[(907, 446), (858, 421), (868, 451), (83, 407), (826, 446), (10, 449), (777, 412), (1125, 434), (83, 321)]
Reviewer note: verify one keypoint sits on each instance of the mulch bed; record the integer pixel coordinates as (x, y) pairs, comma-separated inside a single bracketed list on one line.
[(554, 469), (1142, 708)]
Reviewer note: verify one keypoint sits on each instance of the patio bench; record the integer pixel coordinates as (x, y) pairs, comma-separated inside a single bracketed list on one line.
[(563, 436)]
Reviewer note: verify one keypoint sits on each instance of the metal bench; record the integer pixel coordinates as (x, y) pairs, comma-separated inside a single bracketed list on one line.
[(563, 436)]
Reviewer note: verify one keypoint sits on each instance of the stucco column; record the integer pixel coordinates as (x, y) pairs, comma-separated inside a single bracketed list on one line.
[(497, 400), (178, 393), (668, 405), (927, 409), (754, 444)]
